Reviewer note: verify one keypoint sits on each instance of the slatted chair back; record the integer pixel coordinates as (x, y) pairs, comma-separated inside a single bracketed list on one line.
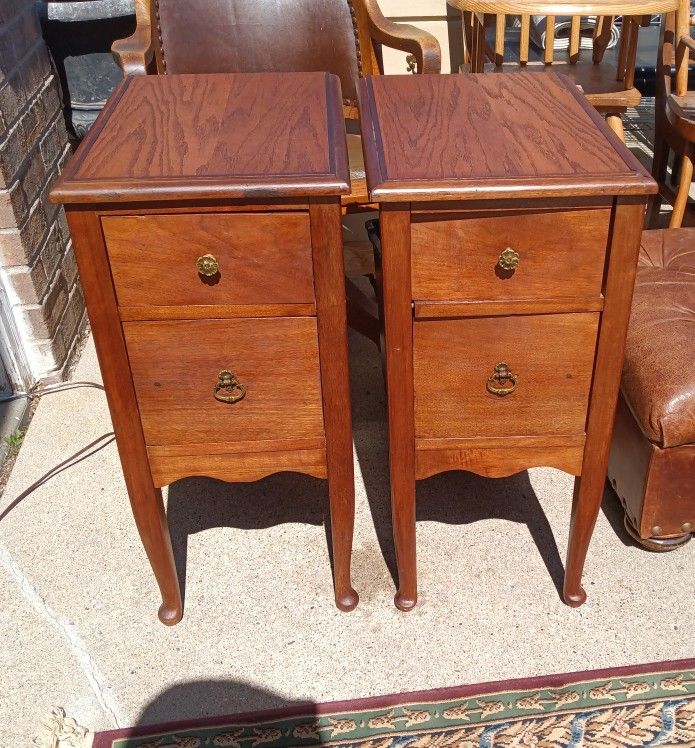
[(482, 55)]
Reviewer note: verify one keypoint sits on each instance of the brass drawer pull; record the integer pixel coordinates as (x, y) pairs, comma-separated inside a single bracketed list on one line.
[(207, 265), (228, 388), (502, 375), (509, 259)]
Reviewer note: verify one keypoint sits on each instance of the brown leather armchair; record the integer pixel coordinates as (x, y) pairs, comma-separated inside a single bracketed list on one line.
[(211, 36), (652, 462)]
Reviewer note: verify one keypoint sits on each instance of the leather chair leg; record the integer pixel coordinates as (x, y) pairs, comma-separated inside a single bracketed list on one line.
[(655, 485)]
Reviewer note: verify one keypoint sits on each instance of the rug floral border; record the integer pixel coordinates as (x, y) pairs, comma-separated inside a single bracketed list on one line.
[(638, 706)]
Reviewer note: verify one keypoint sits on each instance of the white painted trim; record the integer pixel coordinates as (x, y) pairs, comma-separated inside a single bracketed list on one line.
[(13, 353)]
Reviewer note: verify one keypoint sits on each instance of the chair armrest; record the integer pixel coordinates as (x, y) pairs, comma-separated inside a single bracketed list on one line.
[(134, 53), (405, 37)]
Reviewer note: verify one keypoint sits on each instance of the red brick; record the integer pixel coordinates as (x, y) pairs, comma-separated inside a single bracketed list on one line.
[(12, 153), (52, 251), (34, 177), (53, 143), (19, 246), (10, 101), (10, 8), (68, 266), (72, 316), (35, 69)]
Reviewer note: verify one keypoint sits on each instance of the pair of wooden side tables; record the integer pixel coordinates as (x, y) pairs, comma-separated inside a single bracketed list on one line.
[(205, 214)]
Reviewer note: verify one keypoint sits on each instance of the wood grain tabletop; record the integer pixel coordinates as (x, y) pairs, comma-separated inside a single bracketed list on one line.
[(502, 135), (213, 136)]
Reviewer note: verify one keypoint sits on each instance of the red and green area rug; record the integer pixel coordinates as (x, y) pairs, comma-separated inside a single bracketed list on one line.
[(646, 705)]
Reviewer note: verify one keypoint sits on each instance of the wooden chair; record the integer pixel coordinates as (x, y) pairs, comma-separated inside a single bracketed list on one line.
[(340, 36), (609, 88), (674, 125)]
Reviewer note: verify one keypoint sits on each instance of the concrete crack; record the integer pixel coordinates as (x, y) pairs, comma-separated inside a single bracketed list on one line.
[(75, 643)]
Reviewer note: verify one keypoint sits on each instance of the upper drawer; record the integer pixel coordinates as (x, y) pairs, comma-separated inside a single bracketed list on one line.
[(557, 253), (262, 258)]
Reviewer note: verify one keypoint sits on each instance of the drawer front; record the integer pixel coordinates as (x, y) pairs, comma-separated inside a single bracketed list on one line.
[(261, 258), (176, 367), (551, 356), (560, 254)]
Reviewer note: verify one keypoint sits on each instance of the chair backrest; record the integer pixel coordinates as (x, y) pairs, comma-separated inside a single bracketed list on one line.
[(204, 36), (580, 34)]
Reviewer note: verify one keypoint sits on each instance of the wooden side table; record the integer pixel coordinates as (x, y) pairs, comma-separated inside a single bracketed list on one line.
[(510, 220), (205, 214)]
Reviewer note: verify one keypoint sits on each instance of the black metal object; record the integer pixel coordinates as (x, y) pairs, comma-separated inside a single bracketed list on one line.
[(79, 36)]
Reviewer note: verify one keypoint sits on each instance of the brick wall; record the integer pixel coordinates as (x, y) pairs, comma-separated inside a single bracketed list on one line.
[(37, 265)]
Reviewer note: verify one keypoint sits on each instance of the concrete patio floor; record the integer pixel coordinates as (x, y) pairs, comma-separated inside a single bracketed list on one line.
[(78, 601)]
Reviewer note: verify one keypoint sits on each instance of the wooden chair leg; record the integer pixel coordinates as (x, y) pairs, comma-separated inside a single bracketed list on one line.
[(624, 48), (686, 178), (362, 312), (659, 166), (615, 122)]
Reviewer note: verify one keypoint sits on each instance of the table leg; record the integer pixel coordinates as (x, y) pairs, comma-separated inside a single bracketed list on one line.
[(589, 487), (145, 498), (150, 518), (398, 336), (327, 244)]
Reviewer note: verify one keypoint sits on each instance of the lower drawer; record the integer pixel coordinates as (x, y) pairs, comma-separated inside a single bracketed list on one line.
[(178, 369), (503, 376)]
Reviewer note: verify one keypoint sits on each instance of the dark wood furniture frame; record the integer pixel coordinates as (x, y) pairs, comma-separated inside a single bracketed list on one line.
[(143, 200), (570, 198)]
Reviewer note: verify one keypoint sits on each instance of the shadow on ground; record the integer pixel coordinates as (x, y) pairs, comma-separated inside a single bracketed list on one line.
[(202, 704), (198, 504)]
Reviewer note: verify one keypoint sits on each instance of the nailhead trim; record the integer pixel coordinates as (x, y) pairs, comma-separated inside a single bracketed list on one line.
[(159, 36), (358, 50)]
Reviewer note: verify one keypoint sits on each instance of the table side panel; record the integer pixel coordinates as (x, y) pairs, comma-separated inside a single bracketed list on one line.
[(236, 466)]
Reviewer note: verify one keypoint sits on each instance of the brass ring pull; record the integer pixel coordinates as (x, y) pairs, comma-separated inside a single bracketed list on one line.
[(207, 265), (502, 375), (228, 388), (509, 260)]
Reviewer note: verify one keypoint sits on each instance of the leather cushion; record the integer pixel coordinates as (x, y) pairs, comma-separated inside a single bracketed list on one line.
[(658, 373)]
